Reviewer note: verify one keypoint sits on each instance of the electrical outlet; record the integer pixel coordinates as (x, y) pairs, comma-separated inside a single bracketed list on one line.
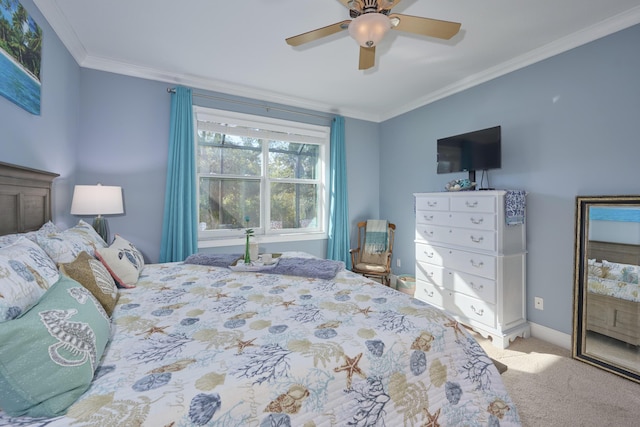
[(398, 263), (538, 303)]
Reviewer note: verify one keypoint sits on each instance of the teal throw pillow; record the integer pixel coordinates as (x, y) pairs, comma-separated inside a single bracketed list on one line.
[(49, 354)]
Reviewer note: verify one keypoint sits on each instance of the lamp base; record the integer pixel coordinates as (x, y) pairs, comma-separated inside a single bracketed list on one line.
[(102, 228)]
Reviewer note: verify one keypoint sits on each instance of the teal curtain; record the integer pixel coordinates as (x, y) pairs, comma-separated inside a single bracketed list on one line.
[(179, 225), (338, 244)]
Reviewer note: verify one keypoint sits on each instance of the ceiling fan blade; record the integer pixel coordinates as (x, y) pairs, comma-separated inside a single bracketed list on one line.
[(367, 57), (424, 26), (318, 33)]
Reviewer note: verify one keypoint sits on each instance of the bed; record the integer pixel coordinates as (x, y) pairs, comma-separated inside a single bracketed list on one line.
[(613, 303), (199, 343)]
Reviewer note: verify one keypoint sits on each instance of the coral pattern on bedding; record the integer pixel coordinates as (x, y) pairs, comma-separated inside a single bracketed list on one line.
[(201, 345)]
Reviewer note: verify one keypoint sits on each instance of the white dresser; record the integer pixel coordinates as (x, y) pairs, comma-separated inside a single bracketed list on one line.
[(470, 263)]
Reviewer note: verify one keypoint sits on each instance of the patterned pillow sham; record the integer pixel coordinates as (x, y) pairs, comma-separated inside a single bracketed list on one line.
[(123, 260), (8, 239), (66, 245), (615, 288), (26, 272), (50, 353), (622, 272), (94, 276)]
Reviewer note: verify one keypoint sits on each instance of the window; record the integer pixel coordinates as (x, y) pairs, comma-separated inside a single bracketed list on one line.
[(261, 173)]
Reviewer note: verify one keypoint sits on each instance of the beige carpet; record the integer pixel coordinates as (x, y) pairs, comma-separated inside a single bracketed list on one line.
[(551, 389)]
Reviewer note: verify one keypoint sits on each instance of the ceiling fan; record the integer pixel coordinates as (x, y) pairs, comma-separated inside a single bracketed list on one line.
[(371, 21)]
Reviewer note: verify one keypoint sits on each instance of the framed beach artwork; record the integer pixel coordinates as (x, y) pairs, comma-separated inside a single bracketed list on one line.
[(20, 56)]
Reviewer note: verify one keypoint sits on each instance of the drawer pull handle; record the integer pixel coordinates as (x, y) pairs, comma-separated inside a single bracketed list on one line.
[(477, 264), (471, 204), (429, 293), (477, 239), (477, 312), (428, 254), (477, 221), (428, 218), (473, 286), (432, 204), (428, 233)]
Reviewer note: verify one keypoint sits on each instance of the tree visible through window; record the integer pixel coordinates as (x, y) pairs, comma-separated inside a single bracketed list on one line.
[(268, 171)]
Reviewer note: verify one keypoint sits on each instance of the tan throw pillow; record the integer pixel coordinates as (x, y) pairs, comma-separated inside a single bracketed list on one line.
[(123, 261), (94, 276)]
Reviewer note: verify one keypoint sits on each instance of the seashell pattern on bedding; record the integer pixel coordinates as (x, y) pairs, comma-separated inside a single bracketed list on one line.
[(196, 345)]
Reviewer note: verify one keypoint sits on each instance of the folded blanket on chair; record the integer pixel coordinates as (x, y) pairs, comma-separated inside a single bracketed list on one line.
[(376, 236)]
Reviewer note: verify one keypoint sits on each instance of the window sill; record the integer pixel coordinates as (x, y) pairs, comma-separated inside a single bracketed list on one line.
[(237, 241)]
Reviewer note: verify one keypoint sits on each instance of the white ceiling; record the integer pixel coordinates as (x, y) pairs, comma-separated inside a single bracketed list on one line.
[(238, 47)]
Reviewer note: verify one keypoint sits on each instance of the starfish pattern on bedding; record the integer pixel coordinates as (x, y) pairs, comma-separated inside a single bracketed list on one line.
[(153, 330), (365, 311), (221, 295), (242, 345), (351, 367), (288, 304), (432, 419)]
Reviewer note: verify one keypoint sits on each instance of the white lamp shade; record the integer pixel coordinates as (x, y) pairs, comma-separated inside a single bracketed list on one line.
[(96, 200), (368, 29)]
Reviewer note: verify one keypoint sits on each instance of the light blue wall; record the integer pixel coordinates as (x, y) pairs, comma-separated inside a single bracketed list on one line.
[(48, 141), (123, 140), (570, 126)]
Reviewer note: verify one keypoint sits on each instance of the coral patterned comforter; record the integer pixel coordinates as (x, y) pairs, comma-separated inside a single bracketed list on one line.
[(208, 346)]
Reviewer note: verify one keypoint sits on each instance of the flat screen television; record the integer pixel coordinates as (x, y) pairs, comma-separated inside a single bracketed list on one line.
[(470, 152)]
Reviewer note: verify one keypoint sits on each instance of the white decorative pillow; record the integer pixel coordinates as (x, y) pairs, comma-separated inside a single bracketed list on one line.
[(622, 272), (26, 272), (8, 239), (65, 246), (123, 260)]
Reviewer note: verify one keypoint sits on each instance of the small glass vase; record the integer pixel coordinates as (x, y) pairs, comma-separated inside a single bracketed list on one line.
[(247, 253)]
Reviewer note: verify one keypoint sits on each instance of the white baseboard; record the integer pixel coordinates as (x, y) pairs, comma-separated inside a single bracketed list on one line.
[(551, 335)]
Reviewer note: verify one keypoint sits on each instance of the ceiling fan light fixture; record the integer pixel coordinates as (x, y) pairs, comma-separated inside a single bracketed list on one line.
[(368, 29)]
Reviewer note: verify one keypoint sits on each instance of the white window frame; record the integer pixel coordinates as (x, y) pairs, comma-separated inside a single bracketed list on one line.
[(263, 126)]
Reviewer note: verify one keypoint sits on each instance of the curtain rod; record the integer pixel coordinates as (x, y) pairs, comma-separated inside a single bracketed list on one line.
[(252, 104)]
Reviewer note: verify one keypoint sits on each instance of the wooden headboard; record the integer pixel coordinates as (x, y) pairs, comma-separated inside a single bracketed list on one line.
[(25, 198), (614, 252)]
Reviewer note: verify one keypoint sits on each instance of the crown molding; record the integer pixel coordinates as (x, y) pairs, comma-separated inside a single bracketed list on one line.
[(579, 38), (63, 30)]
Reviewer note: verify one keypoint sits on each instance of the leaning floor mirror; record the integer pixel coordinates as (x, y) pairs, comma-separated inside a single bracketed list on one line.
[(606, 313)]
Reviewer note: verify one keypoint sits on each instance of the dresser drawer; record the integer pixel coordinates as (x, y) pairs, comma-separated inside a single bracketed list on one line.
[(429, 233), (433, 218), (430, 254), (474, 220), (454, 259), (432, 203), (431, 294), (483, 240), (473, 239), (473, 204), (468, 284), (472, 263), (474, 309)]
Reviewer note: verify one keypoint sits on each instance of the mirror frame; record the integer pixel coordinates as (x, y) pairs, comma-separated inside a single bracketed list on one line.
[(578, 350)]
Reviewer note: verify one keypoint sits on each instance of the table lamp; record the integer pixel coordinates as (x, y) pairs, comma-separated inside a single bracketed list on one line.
[(97, 200)]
